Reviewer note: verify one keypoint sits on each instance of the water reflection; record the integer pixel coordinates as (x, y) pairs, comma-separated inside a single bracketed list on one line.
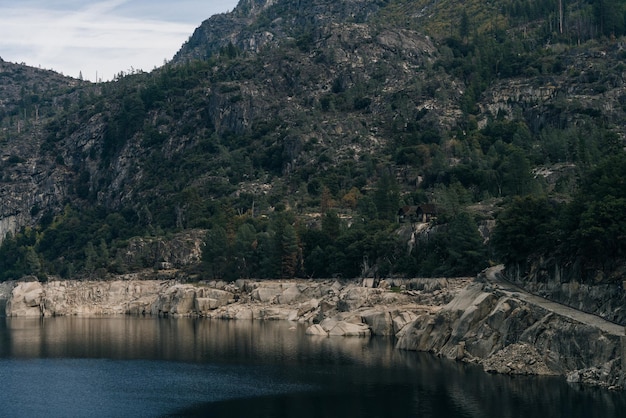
[(307, 375), (195, 340)]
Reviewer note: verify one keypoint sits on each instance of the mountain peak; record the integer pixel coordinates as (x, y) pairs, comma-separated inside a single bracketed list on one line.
[(255, 24)]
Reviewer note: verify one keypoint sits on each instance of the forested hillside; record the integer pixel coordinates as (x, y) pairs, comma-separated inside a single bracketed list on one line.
[(303, 136)]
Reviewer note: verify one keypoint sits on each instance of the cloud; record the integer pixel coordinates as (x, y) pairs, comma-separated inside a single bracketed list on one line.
[(101, 37)]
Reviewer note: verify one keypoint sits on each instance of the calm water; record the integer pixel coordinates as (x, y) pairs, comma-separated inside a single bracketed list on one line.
[(139, 367)]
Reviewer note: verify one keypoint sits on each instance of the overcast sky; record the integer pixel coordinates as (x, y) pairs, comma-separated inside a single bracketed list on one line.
[(100, 37)]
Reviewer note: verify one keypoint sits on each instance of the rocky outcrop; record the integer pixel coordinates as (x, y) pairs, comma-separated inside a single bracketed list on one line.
[(332, 308), (94, 298), (25, 300), (508, 333), (5, 294), (588, 292), (178, 251)]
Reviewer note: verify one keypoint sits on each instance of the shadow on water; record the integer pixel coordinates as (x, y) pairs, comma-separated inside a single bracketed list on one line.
[(267, 369), (425, 387)]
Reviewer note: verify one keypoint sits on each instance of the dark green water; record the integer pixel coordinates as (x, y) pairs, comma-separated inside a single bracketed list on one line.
[(140, 367)]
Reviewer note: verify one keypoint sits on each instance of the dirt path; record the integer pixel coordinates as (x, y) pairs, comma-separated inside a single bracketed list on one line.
[(493, 277)]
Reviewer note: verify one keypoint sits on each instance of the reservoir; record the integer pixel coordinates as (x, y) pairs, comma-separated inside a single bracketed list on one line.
[(162, 367)]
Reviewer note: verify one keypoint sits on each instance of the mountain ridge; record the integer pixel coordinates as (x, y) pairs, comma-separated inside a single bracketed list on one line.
[(294, 131)]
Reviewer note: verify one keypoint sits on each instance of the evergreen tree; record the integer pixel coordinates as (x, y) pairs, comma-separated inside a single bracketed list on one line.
[(289, 252), (245, 250), (215, 255), (387, 197), (527, 226), (466, 253)]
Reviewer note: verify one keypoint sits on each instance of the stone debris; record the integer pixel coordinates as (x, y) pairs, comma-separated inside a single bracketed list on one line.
[(517, 359)]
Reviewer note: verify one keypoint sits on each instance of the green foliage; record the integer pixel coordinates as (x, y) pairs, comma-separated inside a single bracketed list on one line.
[(74, 242), (590, 229), (386, 197), (609, 14), (528, 226), (596, 221), (454, 249), (215, 252), (17, 256)]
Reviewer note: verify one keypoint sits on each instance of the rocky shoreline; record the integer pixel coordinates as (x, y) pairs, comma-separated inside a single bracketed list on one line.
[(310, 301), (470, 320)]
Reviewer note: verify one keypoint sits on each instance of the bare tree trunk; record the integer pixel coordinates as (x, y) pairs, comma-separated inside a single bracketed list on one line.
[(561, 16)]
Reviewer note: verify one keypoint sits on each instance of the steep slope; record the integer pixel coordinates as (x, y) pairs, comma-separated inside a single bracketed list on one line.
[(29, 99), (294, 131)]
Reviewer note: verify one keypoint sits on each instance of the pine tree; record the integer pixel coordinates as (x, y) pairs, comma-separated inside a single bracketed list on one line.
[(289, 252), (387, 197)]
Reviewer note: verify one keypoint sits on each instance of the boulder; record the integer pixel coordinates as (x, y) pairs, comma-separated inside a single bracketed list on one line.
[(368, 282), (379, 322), (176, 300), (290, 295), (307, 307), (208, 299), (274, 313), (242, 312), (328, 305), (347, 329), (206, 304), (401, 320), (25, 300), (328, 324), (316, 330), (265, 294), (353, 298)]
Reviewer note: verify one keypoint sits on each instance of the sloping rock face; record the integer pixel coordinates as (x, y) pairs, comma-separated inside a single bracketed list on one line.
[(586, 291), (183, 249), (509, 335)]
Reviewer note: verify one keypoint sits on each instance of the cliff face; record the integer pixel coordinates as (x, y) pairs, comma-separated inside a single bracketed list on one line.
[(508, 331), (29, 99), (568, 285)]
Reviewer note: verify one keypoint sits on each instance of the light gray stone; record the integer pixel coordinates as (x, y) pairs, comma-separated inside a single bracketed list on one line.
[(316, 330), (25, 300), (265, 294), (347, 329), (379, 322), (401, 320), (289, 295)]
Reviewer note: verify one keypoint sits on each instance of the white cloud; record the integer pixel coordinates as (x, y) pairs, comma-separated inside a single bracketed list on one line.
[(99, 37)]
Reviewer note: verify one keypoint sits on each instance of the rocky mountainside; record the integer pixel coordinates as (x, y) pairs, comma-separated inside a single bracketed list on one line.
[(293, 132), (29, 99)]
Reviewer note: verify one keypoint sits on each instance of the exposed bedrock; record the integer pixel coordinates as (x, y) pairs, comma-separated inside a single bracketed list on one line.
[(507, 334)]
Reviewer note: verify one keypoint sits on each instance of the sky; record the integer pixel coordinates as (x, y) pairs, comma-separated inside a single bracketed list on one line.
[(100, 37)]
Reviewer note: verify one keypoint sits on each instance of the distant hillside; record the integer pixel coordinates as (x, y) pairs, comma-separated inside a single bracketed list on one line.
[(294, 132)]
